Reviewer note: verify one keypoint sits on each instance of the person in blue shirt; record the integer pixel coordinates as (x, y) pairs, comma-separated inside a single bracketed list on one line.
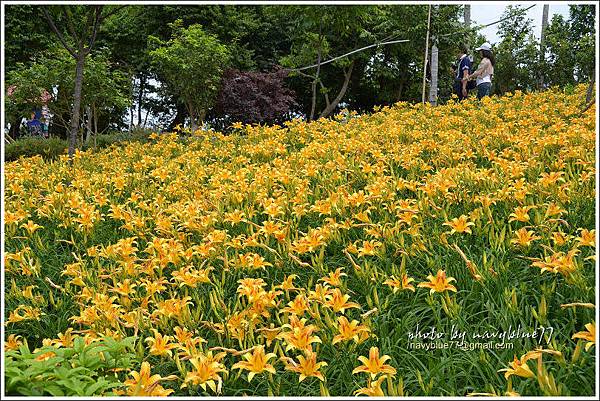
[(462, 69), (34, 125)]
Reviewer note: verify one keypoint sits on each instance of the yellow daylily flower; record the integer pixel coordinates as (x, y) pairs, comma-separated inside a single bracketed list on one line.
[(521, 214), (300, 336), (373, 389), (587, 238), (439, 283), (338, 301), (256, 362), (143, 384), (350, 331), (160, 345), (31, 227), (459, 225), (206, 372), (523, 237), (306, 366), (374, 364), (589, 335), (518, 367), (334, 278), (12, 342), (400, 284)]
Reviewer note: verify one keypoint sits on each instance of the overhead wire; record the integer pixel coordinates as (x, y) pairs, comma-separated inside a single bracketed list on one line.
[(349, 53), (477, 28), (463, 31)]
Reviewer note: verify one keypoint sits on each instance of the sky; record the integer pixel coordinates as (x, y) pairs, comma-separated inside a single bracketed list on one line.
[(484, 14)]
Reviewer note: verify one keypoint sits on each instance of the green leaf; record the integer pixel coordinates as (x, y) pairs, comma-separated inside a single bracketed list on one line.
[(54, 390)]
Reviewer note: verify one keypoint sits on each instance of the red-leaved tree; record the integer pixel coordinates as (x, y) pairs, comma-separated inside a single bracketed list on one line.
[(255, 97)]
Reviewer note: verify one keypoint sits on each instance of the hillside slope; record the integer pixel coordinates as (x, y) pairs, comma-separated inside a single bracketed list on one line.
[(317, 242)]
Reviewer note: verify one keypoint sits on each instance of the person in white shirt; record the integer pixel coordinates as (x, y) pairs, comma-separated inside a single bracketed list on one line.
[(485, 71)]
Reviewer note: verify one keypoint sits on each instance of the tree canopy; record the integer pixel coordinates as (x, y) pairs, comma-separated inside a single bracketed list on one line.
[(168, 61), (191, 63)]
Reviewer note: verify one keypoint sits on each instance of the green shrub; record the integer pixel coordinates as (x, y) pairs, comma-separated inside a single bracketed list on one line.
[(106, 140), (141, 134), (103, 141), (51, 148), (47, 148), (80, 370)]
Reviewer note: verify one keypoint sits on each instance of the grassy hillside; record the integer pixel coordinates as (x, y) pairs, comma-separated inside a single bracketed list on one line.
[(196, 256)]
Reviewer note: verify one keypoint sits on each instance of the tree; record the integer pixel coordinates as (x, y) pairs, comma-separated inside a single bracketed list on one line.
[(49, 77), (394, 73), (320, 32), (570, 47), (560, 59), (25, 91), (77, 33), (255, 41), (192, 64), (126, 37), (582, 35), (517, 53), (255, 97), (25, 38)]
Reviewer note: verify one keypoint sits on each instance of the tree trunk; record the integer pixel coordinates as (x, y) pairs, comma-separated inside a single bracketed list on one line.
[(140, 98), (15, 127), (131, 118), (95, 124), (146, 118), (179, 117), (201, 117), (590, 89), (88, 131), (543, 45), (426, 54), (313, 105), (193, 118), (331, 107), (400, 90), (79, 53), (433, 87), (132, 103), (467, 19), (327, 102), (76, 102)]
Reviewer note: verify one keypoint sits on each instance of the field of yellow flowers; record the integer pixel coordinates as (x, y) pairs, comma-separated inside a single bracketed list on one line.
[(329, 258)]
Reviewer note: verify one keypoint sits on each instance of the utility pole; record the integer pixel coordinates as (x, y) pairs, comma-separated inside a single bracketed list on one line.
[(426, 54), (433, 87), (467, 18), (543, 45)]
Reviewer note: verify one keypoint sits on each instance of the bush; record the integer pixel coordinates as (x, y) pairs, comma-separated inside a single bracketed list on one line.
[(77, 370), (255, 97), (51, 148), (47, 148), (106, 140)]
